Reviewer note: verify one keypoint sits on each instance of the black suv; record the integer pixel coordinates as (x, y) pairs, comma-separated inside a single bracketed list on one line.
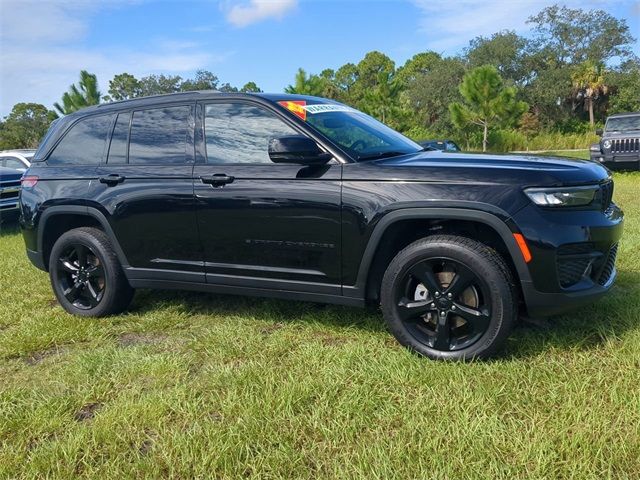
[(305, 198), (619, 147)]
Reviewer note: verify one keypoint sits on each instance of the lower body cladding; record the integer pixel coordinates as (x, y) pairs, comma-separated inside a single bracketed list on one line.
[(619, 161), (573, 256)]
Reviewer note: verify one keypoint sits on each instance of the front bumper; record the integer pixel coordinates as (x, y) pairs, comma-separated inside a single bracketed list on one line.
[(573, 256), (617, 161)]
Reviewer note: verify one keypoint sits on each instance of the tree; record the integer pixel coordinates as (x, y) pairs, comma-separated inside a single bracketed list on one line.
[(429, 94), (625, 87), (250, 87), (306, 84), (160, 84), (572, 36), (420, 64), (505, 50), (204, 80), (25, 126), (488, 103), (85, 94), (123, 87), (589, 83)]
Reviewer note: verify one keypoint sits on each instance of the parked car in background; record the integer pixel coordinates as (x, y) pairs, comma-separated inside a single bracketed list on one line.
[(9, 192), (16, 159), (442, 145), (304, 198), (619, 146)]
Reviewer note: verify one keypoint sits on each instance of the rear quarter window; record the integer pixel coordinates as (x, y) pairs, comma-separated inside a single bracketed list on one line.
[(84, 143)]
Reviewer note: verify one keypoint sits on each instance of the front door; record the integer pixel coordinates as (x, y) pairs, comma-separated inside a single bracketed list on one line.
[(261, 224)]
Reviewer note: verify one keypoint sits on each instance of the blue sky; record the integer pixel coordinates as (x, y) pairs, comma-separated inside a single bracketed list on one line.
[(44, 44)]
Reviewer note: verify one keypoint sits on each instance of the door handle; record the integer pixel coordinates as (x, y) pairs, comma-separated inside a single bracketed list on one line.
[(112, 179), (218, 179)]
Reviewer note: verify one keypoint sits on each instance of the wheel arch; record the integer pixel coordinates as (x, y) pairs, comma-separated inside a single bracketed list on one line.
[(433, 221), (67, 217)]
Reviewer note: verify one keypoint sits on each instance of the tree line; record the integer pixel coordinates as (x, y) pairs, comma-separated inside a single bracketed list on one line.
[(501, 92)]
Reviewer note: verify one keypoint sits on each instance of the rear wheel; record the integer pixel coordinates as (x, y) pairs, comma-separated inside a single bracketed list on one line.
[(449, 297), (86, 275)]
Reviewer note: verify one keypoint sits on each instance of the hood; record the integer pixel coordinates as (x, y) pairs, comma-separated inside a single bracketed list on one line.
[(520, 169), (620, 134), (9, 174)]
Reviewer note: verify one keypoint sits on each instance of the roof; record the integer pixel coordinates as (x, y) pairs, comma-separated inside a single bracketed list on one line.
[(25, 152), (189, 96)]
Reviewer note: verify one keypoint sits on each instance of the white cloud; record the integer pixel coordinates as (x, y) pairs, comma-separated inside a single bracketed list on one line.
[(258, 10), (449, 25), (42, 52)]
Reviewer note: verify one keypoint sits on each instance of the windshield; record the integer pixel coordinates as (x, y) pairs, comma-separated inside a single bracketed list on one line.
[(623, 124), (361, 136)]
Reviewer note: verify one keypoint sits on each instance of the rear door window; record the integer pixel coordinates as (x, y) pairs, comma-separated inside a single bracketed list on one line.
[(159, 135), (84, 143)]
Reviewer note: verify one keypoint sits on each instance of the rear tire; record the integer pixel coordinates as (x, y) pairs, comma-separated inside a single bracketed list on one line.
[(449, 298), (86, 276)]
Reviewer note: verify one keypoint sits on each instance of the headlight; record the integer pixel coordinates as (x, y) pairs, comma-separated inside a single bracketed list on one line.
[(562, 197), (606, 144)]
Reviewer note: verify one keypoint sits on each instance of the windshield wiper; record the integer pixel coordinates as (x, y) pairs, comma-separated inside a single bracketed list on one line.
[(375, 156)]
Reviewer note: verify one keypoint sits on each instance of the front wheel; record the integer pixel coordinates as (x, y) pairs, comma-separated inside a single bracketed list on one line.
[(449, 297), (86, 275)]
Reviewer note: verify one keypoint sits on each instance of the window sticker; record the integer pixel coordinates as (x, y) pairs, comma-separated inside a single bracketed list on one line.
[(328, 107), (295, 106)]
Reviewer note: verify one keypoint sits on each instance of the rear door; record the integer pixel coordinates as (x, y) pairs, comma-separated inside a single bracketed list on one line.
[(146, 188), (263, 225)]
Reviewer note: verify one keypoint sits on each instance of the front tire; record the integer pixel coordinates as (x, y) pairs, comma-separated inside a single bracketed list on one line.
[(86, 276), (449, 298)]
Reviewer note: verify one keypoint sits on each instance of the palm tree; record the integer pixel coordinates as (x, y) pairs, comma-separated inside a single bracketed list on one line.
[(589, 83), (86, 93)]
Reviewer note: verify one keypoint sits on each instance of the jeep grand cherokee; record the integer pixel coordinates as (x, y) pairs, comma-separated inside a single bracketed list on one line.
[(305, 198)]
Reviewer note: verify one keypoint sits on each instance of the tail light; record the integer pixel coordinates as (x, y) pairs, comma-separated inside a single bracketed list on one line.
[(29, 181)]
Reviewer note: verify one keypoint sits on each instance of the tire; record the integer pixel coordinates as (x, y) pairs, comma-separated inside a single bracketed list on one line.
[(461, 277), (86, 276)]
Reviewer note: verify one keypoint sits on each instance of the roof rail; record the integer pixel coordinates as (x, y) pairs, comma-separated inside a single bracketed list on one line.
[(176, 94)]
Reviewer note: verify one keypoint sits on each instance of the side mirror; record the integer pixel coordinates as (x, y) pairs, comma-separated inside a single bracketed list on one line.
[(599, 132), (297, 149)]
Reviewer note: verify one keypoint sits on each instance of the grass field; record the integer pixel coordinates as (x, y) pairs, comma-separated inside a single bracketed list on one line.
[(193, 385)]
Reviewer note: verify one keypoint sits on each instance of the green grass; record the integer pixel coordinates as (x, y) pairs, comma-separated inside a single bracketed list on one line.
[(567, 153), (193, 385)]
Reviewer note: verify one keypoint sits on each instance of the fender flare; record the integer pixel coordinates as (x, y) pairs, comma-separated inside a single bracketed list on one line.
[(500, 226), (80, 211)]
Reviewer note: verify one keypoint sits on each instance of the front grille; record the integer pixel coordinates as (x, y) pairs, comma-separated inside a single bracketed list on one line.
[(609, 266), (625, 145), (606, 192), (9, 194)]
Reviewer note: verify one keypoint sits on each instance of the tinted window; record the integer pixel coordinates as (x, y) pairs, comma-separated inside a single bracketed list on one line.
[(240, 133), (84, 143), (119, 138), (14, 163), (159, 135)]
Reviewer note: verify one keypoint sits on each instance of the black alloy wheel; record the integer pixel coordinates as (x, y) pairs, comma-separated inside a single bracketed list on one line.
[(81, 276), (449, 297), (443, 304)]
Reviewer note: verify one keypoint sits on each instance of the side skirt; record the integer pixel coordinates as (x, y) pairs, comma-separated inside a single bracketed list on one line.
[(247, 291)]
